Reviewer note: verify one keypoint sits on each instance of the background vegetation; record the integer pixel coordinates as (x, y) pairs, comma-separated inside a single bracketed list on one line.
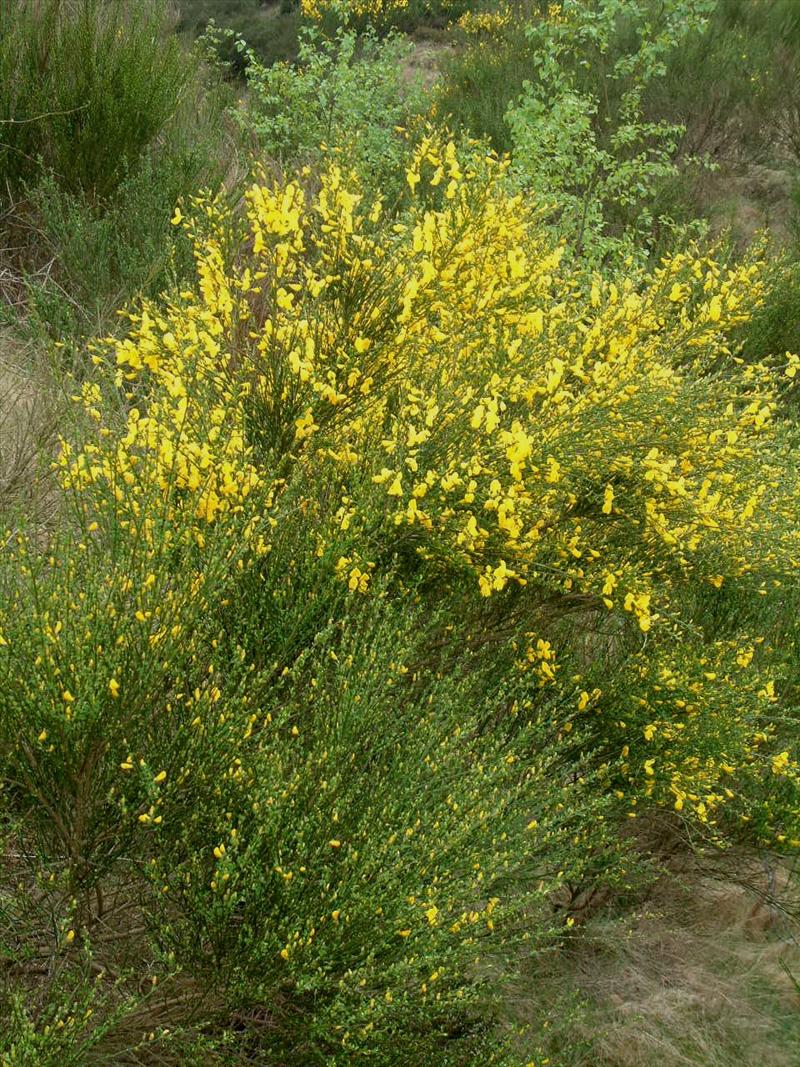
[(398, 503)]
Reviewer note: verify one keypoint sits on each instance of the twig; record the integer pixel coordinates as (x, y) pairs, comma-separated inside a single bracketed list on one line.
[(44, 115)]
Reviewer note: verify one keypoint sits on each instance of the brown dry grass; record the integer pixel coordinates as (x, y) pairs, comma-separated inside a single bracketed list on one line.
[(423, 65), (29, 418), (705, 974)]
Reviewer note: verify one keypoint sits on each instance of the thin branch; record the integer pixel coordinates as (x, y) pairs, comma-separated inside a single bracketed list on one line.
[(44, 115)]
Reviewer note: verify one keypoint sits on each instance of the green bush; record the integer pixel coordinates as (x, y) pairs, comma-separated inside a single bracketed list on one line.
[(347, 94), (706, 85), (582, 142), (271, 34), (95, 184), (104, 254), (85, 87), (376, 869), (329, 819), (482, 78)]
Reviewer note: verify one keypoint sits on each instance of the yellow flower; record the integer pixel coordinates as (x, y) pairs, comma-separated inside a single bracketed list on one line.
[(780, 763)]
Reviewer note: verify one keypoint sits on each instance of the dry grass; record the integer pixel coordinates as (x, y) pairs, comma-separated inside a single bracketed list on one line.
[(746, 200), (424, 63), (704, 975), (29, 406)]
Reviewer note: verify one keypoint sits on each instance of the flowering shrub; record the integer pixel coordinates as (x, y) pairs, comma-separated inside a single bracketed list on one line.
[(378, 12), (405, 562), (476, 406), (486, 22)]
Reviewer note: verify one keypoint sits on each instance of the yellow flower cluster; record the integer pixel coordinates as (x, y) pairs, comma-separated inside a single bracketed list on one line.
[(346, 10), (486, 22), (463, 394), (184, 431), (697, 728), (527, 423)]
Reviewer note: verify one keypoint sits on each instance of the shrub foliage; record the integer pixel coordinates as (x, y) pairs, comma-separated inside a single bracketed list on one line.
[(408, 566)]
